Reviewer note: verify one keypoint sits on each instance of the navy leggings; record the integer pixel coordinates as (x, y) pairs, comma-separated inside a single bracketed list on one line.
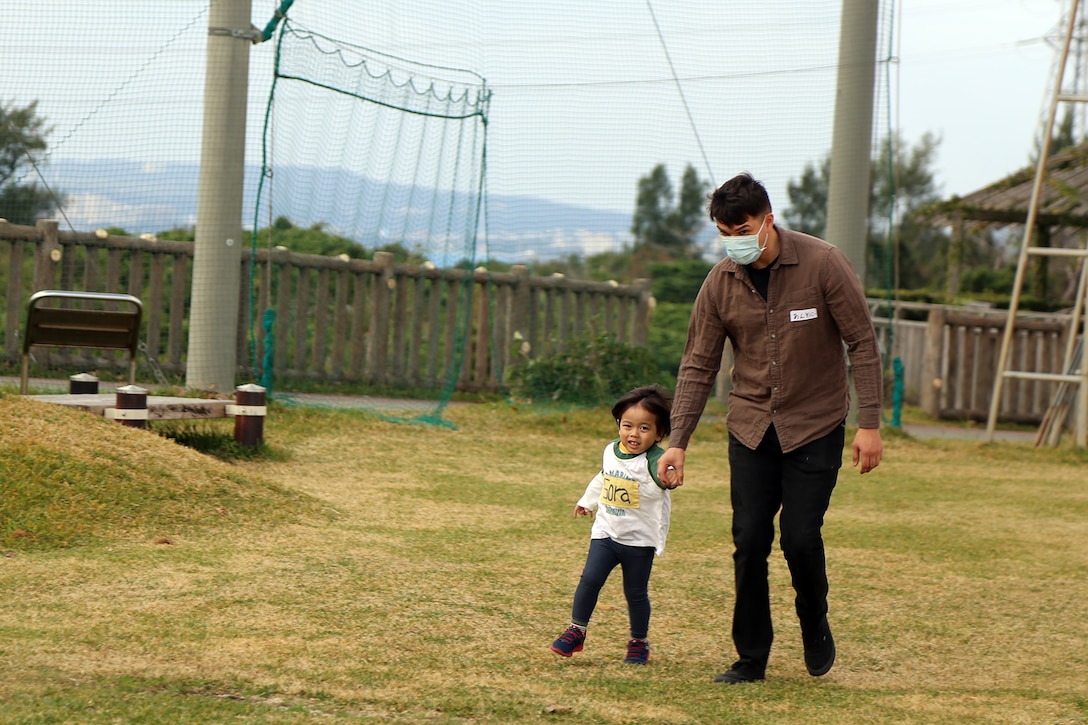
[(635, 562)]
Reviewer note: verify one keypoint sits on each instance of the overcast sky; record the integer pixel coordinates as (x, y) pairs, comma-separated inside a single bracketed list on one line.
[(585, 99), (754, 76), (977, 73)]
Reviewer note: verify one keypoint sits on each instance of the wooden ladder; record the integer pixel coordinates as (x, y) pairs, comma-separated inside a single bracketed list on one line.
[(1074, 375)]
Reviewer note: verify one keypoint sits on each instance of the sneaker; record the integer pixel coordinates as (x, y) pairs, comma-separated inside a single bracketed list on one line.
[(570, 641), (743, 670), (638, 652), (819, 649)]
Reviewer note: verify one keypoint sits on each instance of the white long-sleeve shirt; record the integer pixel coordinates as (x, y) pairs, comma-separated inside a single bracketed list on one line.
[(632, 506)]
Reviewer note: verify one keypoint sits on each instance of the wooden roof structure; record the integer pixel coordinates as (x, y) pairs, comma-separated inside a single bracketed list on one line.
[(1063, 201)]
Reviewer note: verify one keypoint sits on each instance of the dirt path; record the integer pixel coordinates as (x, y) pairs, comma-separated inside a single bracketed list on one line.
[(401, 406)]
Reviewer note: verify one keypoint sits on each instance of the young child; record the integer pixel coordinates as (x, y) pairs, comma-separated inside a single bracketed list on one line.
[(632, 523)]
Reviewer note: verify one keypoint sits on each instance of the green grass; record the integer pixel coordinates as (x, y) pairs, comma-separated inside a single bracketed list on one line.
[(363, 571)]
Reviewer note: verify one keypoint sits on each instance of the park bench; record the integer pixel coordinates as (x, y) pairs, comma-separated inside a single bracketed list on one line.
[(100, 320), (110, 321)]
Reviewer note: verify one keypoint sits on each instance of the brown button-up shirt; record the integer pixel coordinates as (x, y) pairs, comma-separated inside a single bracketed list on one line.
[(789, 368)]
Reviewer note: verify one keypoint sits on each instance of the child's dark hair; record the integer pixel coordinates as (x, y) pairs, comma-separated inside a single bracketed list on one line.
[(653, 398)]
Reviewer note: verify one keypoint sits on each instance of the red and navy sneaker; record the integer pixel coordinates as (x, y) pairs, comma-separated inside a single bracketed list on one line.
[(638, 652), (570, 641)]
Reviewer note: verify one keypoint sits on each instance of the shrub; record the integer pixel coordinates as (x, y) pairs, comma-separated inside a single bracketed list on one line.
[(668, 335), (585, 372)]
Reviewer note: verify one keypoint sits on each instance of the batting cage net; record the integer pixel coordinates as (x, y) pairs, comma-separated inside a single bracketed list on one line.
[(409, 170)]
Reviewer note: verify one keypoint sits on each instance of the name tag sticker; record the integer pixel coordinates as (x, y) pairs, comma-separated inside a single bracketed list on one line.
[(800, 315), (619, 493)]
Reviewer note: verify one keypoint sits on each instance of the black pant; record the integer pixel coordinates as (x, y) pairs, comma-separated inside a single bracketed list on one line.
[(635, 562), (800, 483)]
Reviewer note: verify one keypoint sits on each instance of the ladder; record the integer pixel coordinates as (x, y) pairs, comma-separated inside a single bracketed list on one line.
[(1073, 380)]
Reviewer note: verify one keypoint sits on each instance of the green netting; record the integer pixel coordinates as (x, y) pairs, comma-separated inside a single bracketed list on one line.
[(381, 150), (387, 151)]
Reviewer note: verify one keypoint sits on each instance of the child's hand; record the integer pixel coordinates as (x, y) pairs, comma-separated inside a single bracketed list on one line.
[(670, 467), (582, 511)]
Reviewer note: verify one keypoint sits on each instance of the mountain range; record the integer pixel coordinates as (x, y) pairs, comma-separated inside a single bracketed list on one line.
[(142, 197)]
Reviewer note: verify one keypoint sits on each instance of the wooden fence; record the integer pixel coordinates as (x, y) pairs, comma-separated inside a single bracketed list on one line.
[(950, 360), (387, 324), (335, 319)]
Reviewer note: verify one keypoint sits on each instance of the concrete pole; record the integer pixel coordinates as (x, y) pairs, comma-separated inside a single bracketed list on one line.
[(851, 140), (213, 317)]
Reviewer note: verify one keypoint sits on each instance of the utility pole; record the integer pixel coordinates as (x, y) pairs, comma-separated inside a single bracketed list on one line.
[(213, 317), (851, 141), (852, 135)]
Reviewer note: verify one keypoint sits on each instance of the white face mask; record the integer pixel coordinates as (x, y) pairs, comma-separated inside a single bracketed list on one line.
[(744, 249)]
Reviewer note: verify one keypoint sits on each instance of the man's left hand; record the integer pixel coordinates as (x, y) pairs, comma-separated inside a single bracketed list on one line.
[(868, 449)]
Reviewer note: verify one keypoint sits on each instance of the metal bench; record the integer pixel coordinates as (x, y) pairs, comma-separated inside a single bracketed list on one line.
[(99, 320)]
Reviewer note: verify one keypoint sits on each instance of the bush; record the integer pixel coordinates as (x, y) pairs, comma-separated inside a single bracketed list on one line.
[(668, 335), (584, 373), (678, 281)]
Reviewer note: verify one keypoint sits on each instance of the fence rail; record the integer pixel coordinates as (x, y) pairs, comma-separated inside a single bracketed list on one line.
[(350, 320), (950, 360), (330, 318)]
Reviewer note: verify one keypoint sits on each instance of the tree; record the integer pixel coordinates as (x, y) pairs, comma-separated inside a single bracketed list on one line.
[(808, 199), (903, 183), (652, 204), (662, 226), (22, 137), (689, 215), (902, 249)]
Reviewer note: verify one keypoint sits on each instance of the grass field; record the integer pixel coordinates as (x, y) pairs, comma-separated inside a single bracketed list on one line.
[(361, 571)]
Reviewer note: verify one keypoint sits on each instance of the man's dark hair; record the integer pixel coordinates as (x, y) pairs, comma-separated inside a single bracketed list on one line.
[(653, 398), (737, 199)]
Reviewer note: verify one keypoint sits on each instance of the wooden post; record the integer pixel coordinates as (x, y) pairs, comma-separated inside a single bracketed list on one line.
[(955, 259), (249, 412), (178, 291), (378, 350), (434, 328), (359, 324), (416, 328), (284, 300), (400, 329), (522, 333), (47, 260), (340, 330), (302, 321), (481, 337), (566, 312), (131, 407), (550, 332), (641, 332), (156, 277), (319, 357), (931, 378), (15, 298)]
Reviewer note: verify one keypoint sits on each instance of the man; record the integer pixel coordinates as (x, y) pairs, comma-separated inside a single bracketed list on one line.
[(787, 302)]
